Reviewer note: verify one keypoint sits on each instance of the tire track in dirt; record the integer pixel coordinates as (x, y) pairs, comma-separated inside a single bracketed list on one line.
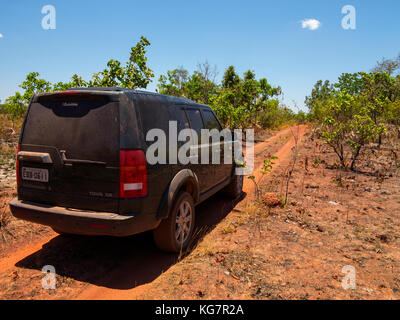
[(93, 292), (295, 134), (9, 261)]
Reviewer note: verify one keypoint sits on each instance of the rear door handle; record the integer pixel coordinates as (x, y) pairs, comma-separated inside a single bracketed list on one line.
[(34, 157)]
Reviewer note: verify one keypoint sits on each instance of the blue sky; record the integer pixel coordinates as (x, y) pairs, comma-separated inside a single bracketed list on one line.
[(264, 36)]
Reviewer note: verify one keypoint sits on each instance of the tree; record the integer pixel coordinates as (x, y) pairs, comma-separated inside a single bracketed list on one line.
[(362, 130), (207, 76), (390, 66), (199, 86), (321, 92), (17, 104), (249, 94), (199, 89), (347, 124), (135, 74), (238, 102), (230, 80), (174, 83), (352, 83)]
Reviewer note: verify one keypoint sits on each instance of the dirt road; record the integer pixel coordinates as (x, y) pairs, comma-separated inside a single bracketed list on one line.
[(120, 275), (113, 268)]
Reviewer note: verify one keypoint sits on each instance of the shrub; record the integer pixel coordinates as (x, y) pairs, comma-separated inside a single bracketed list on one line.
[(348, 125)]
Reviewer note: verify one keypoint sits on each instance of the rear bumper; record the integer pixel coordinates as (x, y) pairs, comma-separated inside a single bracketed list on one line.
[(81, 222)]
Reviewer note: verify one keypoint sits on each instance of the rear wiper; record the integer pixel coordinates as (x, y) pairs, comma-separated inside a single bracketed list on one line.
[(79, 161)]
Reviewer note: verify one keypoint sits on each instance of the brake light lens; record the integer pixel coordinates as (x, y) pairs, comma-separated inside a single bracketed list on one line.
[(99, 226), (20, 213), (133, 174), (69, 93), (17, 165)]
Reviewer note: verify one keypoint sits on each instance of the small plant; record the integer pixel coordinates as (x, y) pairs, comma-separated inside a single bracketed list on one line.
[(292, 166), (267, 166), (338, 181), (256, 191), (316, 162), (265, 169), (283, 201)]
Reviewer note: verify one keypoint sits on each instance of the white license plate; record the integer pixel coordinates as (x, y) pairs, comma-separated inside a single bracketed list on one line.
[(35, 174)]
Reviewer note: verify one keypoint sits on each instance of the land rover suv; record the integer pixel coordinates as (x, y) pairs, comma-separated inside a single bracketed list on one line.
[(82, 166)]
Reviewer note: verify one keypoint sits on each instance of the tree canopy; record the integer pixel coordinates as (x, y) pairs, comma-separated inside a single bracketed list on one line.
[(134, 74)]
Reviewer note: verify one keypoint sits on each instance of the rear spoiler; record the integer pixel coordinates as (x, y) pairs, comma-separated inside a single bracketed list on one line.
[(97, 95)]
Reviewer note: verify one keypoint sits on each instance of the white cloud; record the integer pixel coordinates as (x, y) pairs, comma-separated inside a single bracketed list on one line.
[(311, 24), (1, 35)]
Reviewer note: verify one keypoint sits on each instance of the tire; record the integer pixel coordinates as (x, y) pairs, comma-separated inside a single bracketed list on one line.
[(167, 236), (235, 188)]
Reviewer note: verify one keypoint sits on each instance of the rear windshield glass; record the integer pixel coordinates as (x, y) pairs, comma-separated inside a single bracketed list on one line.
[(84, 125)]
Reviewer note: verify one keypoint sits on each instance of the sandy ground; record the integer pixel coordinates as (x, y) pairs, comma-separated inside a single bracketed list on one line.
[(243, 249)]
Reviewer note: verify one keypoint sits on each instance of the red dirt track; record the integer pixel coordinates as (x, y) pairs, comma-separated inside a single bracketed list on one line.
[(115, 268)]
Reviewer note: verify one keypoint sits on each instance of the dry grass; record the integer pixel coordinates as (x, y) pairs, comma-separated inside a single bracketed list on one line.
[(229, 228), (9, 128), (5, 216), (9, 134)]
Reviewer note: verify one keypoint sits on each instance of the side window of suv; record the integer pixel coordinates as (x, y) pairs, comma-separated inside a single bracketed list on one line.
[(196, 122), (183, 122), (210, 121)]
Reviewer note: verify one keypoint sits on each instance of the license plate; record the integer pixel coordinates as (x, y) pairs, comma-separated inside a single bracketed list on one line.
[(35, 174)]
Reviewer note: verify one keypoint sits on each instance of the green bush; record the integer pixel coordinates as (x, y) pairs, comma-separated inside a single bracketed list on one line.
[(348, 125), (135, 74)]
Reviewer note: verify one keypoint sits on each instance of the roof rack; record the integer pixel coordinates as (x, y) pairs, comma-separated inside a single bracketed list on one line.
[(120, 89)]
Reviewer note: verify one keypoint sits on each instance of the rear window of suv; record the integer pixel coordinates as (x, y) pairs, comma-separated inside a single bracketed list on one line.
[(86, 126)]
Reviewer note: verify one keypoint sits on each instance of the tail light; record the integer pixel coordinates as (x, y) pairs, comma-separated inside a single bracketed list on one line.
[(17, 165), (133, 174), (69, 93)]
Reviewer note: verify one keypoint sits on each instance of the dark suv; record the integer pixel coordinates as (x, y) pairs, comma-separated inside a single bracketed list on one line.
[(82, 167)]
